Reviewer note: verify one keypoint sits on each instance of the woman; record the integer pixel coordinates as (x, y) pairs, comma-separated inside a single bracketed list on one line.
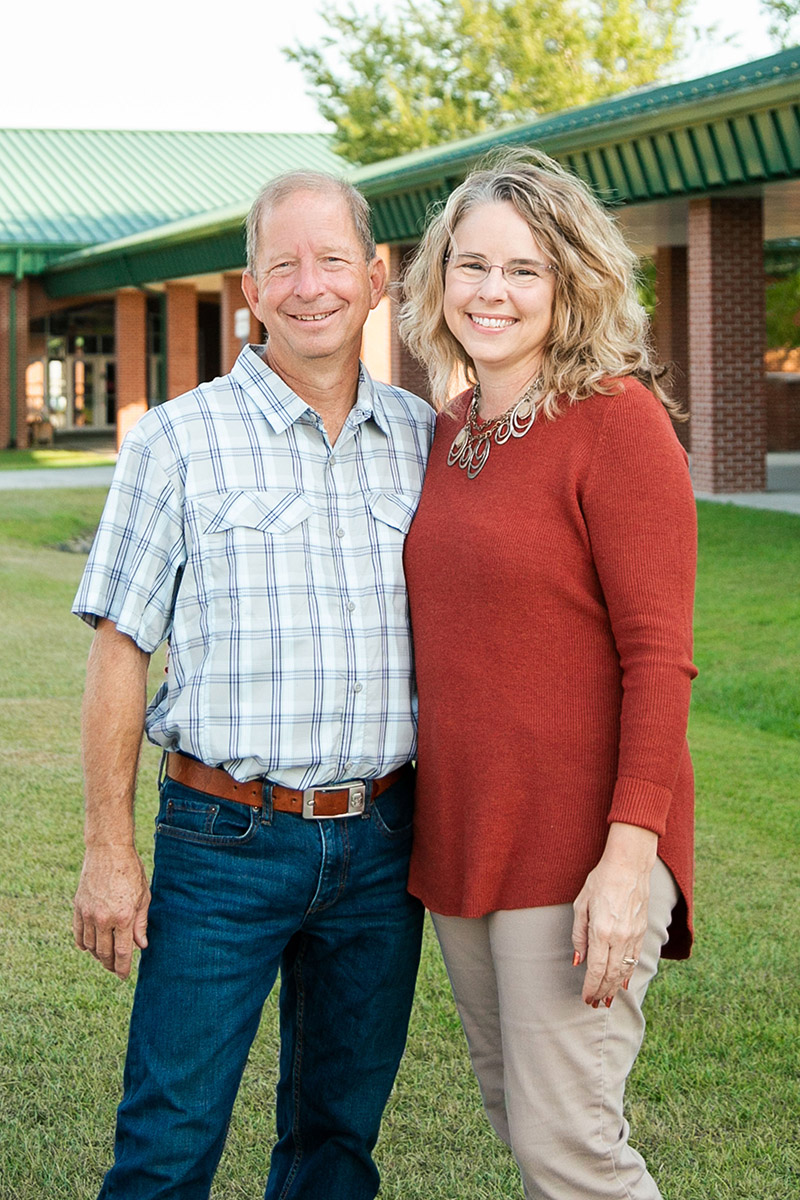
[(550, 570)]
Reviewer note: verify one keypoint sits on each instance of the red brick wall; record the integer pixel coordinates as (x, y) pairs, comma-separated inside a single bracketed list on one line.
[(671, 325), (783, 411), (130, 341), (406, 371), (12, 392), (726, 344), (182, 370), (23, 321), (6, 282)]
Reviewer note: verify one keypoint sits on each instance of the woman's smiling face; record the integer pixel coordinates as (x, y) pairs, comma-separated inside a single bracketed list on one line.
[(502, 325)]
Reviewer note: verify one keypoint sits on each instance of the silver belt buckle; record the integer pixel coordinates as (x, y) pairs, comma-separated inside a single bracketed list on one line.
[(356, 800)]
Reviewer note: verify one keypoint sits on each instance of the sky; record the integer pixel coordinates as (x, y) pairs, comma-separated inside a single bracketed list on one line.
[(170, 64)]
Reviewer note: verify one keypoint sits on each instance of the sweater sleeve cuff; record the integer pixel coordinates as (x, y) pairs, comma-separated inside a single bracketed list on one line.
[(640, 802)]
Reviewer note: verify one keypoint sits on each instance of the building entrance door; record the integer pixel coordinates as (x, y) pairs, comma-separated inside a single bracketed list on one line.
[(91, 390)]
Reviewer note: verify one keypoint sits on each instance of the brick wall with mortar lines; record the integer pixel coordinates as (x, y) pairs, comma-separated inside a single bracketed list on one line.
[(6, 283), (130, 340), (671, 326), (783, 412), (406, 371), (726, 344), (23, 324), (12, 392), (181, 338)]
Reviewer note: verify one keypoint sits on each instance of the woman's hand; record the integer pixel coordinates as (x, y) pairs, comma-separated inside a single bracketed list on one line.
[(611, 912)]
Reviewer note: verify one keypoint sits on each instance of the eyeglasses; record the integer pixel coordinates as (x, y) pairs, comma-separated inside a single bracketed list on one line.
[(520, 272)]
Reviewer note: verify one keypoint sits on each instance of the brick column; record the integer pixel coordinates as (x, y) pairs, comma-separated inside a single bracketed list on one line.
[(23, 325), (406, 372), (130, 343), (726, 344), (6, 390), (671, 324), (13, 296), (182, 374)]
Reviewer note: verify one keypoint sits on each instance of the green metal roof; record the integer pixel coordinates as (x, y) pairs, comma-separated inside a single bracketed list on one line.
[(211, 241), (66, 188), (732, 129)]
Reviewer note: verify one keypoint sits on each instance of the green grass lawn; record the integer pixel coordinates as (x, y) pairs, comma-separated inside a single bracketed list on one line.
[(24, 460), (715, 1096)]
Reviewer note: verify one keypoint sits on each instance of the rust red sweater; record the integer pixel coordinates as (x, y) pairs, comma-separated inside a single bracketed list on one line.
[(551, 603)]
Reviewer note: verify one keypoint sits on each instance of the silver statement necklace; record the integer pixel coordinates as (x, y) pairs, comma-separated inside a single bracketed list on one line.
[(471, 445)]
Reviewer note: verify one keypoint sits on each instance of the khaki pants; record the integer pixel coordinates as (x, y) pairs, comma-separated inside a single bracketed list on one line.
[(552, 1070)]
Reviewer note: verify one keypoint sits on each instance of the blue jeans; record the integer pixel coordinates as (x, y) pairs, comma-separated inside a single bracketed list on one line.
[(239, 893)]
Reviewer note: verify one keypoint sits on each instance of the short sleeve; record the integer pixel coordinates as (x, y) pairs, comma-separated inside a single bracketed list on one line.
[(138, 552)]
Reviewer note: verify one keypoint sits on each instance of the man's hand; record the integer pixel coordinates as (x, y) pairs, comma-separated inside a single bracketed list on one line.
[(111, 903)]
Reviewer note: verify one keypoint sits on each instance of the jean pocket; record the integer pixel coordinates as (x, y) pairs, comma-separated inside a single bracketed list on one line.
[(190, 816), (393, 812)]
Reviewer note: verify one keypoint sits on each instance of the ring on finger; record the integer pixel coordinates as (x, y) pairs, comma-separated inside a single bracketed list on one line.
[(630, 962)]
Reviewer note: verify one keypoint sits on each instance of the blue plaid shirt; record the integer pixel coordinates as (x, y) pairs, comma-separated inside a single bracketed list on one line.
[(273, 564)]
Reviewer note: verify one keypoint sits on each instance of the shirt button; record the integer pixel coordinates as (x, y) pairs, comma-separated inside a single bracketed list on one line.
[(340, 533), (350, 606), (348, 766), (358, 687), (332, 461)]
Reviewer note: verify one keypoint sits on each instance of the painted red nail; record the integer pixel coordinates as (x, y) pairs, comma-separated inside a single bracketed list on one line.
[(576, 958), (608, 1001), (625, 983), (595, 1004)]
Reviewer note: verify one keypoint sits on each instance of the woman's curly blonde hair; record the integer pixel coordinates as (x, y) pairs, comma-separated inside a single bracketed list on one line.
[(599, 332)]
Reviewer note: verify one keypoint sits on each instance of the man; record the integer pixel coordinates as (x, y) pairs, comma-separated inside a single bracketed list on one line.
[(258, 524)]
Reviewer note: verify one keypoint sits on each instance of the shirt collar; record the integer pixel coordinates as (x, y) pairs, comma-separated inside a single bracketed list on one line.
[(276, 400), (282, 407), (369, 401)]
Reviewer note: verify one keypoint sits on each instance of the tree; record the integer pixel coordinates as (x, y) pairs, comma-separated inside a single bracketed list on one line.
[(783, 312), (784, 27), (443, 69)]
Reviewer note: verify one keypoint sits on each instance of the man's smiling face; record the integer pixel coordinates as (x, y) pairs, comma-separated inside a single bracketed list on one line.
[(313, 286)]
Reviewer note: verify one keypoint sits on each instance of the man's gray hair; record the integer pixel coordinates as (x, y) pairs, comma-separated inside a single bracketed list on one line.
[(286, 185)]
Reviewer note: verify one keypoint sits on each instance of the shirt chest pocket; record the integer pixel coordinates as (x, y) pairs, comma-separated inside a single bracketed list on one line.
[(247, 544), (392, 514), (393, 510), (271, 512)]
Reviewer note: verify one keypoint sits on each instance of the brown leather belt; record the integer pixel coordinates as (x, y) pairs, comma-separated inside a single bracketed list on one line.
[(346, 799)]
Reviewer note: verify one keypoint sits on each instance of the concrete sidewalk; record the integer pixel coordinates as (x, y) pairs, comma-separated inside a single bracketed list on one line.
[(56, 477), (782, 494), (783, 487)]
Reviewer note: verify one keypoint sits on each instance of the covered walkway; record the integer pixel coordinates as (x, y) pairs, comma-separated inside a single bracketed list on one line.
[(705, 177)]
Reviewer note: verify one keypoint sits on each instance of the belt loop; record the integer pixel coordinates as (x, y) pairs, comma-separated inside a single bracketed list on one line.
[(368, 790), (266, 802)]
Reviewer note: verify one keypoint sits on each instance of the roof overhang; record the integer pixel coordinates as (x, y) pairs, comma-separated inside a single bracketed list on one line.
[(30, 259), (735, 131), (195, 246)]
